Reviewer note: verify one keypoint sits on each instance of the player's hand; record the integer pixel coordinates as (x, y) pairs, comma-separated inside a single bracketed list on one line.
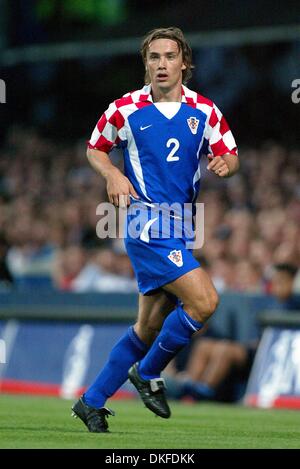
[(218, 166), (119, 188)]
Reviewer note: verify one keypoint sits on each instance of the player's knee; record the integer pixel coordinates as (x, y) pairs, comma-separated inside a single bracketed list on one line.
[(202, 307), (212, 302)]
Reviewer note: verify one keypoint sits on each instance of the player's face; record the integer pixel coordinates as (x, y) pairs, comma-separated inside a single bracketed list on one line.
[(164, 63)]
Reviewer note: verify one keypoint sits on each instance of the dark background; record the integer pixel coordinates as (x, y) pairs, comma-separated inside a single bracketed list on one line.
[(248, 76)]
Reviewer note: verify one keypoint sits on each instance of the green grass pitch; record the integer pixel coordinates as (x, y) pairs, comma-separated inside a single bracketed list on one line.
[(39, 422)]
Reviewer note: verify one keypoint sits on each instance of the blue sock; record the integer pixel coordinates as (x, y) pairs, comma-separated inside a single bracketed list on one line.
[(176, 332), (124, 354)]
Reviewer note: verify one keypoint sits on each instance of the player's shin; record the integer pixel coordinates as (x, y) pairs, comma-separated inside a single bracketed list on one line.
[(176, 332), (124, 354)]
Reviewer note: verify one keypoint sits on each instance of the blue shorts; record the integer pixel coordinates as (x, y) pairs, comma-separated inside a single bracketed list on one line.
[(158, 261)]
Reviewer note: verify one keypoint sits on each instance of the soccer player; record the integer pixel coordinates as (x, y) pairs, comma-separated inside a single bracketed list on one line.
[(164, 129)]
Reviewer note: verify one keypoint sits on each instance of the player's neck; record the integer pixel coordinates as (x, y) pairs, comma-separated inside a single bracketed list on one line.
[(160, 95)]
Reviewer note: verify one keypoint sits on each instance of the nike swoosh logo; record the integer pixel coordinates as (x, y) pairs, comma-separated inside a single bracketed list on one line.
[(165, 349), (146, 127)]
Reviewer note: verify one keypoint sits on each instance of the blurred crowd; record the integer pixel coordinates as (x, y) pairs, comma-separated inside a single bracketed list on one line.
[(48, 200), (252, 220)]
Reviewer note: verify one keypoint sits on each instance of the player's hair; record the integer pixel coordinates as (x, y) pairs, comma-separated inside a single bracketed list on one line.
[(175, 34)]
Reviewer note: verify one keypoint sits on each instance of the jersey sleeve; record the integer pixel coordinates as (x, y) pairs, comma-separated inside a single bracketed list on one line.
[(108, 131), (219, 136)]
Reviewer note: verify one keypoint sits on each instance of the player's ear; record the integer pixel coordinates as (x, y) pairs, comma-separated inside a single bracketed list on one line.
[(183, 66)]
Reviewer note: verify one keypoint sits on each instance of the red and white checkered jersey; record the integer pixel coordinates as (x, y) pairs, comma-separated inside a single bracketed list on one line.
[(111, 129)]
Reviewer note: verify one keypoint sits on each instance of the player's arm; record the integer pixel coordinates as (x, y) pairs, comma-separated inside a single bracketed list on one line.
[(223, 160), (118, 186), (223, 166)]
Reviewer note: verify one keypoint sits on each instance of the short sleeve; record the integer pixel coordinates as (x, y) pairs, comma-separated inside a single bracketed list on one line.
[(219, 135), (106, 134)]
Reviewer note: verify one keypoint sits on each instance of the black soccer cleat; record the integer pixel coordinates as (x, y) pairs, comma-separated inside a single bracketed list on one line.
[(152, 392), (94, 419)]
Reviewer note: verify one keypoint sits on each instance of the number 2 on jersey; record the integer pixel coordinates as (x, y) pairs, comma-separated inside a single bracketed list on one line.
[(171, 156)]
